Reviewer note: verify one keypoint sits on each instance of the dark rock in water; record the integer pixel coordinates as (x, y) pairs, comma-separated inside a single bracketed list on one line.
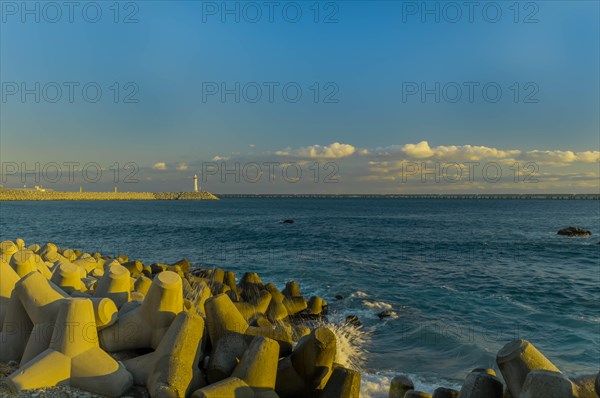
[(353, 320), (385, 314), (574, 231), (287, 221), (340, 297)]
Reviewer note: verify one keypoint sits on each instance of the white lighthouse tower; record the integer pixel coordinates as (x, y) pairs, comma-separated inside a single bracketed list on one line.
[(195, 183)]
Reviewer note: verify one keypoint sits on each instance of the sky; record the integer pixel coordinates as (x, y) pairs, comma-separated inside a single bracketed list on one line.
[(294, 97)]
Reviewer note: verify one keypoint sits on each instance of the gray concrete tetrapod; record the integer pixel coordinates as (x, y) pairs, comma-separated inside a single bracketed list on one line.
[(516, 359), (40, 299), (258, 366), (547, 384), (309, 366), (114, 284), (442, 392), (73, 357), (222, 317), (8, 280), (342, 383), (172, 369), (480, 383), (232, 387), (399, 386), (143, 326), (417, 394), (585, 386), (225, 356)]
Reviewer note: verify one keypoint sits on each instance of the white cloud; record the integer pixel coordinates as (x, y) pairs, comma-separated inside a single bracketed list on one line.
[(419, 151), (159, 166), (217, 158), (182, 167), (422, 150), (563, 157), (332, 151), (252, 145)]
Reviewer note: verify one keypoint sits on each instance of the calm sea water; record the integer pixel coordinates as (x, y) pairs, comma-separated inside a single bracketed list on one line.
[(463, 277)]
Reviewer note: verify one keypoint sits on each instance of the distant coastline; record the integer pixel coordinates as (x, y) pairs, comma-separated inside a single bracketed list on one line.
[(423, 196), (36, 195)]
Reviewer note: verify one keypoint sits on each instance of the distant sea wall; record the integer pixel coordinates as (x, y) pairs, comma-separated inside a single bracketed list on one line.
[(21, 194), (549, 196)]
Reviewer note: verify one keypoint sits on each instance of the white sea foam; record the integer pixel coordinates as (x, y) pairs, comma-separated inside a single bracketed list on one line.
[(378, 385), (351, 353), (377, 305), (351, 342)]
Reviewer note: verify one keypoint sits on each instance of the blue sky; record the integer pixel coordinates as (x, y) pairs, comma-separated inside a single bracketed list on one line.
[(361, 58)]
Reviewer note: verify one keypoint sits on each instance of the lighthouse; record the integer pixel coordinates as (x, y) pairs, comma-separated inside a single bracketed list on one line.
[(195, 183)]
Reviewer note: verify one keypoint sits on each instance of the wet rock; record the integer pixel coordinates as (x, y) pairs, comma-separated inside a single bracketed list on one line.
[(385, 314), (574, 231), (353, 320)]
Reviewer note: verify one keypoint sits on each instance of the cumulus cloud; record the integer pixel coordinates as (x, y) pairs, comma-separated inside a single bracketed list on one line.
[(159, 166), (217, 158), (182, 167), (423, 150), (332, 151), (563, 157)]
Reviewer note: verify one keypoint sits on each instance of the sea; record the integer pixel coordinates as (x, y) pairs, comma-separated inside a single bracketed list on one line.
[(459, 277)]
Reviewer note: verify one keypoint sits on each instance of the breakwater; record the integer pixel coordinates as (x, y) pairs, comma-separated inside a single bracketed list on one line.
[(21, 194), (524, 196), (175, 330)]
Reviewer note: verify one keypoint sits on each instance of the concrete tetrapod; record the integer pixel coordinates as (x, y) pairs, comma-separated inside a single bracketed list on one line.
[(8, 248), (225, 356), (585, 386), (24, 262), (481, 383), (442, 392), (257, 306), (258, 366), (145, 325), (74, 357), (172, 370), (222, 317), (114, 284), (417, 394), (30, 318), (309, 366), (232, 387), (7, 285), (516, 359), (399, 386), (343, 383), (547, 384), (68, 277)]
